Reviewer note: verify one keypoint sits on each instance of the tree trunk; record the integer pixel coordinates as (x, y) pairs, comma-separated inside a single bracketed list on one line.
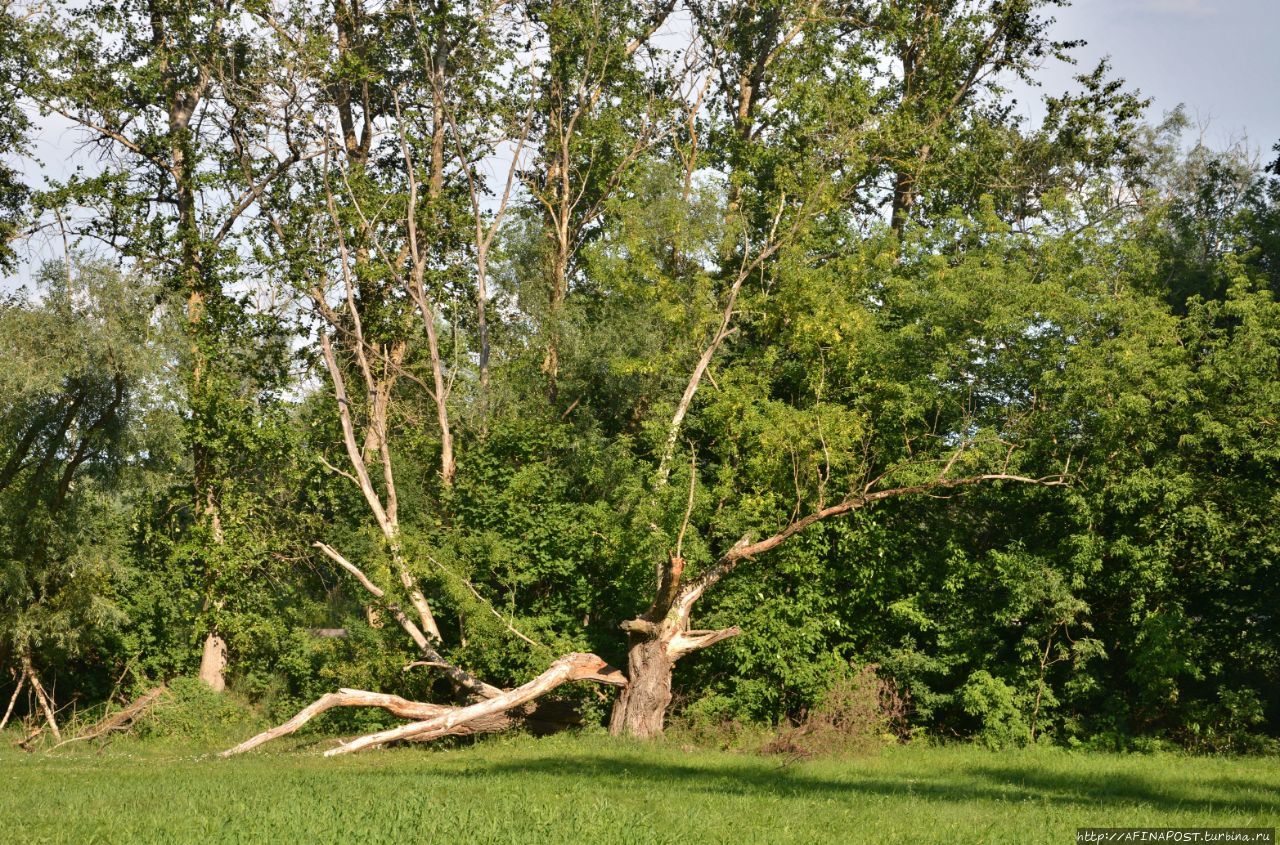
[(212, 663), (641, 709)]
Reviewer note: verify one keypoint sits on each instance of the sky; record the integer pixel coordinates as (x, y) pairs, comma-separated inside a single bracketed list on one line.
[(1221, 58)]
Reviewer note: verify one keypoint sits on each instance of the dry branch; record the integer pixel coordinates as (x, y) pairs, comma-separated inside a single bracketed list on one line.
[(120, 720), (393, 704), (571, 667), (437, 720)]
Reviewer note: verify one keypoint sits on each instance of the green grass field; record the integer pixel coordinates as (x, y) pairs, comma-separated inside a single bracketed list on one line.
[(593, 790)]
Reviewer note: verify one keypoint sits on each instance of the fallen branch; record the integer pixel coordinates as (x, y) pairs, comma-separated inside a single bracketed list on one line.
[(120, 720), (393, 704), (28, 744), (571, 667), (437, 720)]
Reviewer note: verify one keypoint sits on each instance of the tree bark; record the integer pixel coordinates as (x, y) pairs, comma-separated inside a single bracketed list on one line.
[(213, 662), (641, 708)]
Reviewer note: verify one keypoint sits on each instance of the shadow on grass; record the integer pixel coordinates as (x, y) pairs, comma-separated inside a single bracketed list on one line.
[(1111, 789), (1003, 783)]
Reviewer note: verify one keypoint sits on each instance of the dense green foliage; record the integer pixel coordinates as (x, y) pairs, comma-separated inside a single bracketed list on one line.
[(1041, 363)]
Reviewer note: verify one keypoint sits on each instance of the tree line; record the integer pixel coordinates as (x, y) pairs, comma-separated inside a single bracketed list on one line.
[(697, 348)]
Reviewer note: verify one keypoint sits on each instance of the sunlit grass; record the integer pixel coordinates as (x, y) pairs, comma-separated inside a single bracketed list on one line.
[(594, 790)]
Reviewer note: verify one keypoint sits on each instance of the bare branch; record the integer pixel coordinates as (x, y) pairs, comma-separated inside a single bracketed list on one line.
[(463, 679), (572, 667), (690, 641), (694, 589)]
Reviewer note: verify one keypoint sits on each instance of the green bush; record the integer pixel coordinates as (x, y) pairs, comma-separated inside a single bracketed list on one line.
[(997, 706), (196, 715)]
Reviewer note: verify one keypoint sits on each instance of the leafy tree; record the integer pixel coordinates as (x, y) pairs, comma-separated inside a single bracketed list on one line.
[(75, 415)]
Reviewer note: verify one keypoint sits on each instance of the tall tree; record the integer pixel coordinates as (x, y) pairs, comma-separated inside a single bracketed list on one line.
[(78, 356), (168, 92)]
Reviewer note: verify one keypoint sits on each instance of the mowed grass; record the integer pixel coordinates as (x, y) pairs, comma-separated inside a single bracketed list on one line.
[(592, 789)]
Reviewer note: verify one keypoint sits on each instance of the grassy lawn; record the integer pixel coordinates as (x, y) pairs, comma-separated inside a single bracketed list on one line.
[(593, 790)]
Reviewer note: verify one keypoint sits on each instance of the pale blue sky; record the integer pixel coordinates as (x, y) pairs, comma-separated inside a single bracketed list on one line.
[(1219, 57)]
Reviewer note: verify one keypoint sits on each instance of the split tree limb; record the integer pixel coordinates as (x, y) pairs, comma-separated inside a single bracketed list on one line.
[(571, 667), (691, 641), (393, 704)]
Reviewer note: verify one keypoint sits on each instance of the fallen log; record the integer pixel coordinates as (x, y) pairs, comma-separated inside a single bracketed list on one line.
[(393, 704), (437, 720), (120, 720)]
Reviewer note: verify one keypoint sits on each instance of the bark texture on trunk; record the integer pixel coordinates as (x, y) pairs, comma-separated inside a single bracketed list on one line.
[(658, 638), (641, 708)]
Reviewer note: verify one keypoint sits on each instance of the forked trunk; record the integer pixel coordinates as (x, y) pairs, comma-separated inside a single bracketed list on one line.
[(641, 709)]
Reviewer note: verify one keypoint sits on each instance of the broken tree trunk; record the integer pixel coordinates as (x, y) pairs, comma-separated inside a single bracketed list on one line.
[(641, 708), (436, 720), (655, 646), (213, 663)]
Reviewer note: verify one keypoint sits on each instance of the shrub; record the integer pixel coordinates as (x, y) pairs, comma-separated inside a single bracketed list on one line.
[(859, 711), (195, 714), (996, 704)]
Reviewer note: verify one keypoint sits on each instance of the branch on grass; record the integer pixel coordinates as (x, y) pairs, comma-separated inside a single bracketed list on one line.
[(393, 704), (120, 720), (571, 667), (436, 720)]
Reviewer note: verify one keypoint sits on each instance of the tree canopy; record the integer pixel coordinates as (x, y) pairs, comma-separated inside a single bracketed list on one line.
[(420, 347)]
